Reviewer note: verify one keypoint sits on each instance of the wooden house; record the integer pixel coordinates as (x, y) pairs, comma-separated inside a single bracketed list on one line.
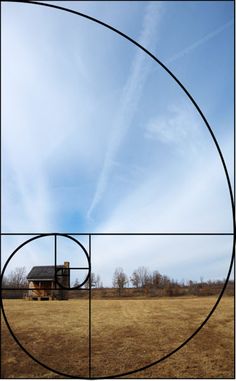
[(47, 282)]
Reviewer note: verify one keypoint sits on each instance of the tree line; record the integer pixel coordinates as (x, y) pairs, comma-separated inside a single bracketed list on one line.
[(144, 282), (15, 279), (141, 281)]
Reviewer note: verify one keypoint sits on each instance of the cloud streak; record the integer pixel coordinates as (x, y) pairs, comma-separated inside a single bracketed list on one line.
[(194, 198), (178, 125), (199, 42), (84, 141), (131, 94)]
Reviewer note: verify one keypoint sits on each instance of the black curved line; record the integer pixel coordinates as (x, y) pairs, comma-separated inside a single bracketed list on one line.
[(120, 233), (161, 64), (88, 259), (193, 334), (79, 287), (4, 314), (72, 288), (18, 248), (217, 147), (29, 354), (37, 237)]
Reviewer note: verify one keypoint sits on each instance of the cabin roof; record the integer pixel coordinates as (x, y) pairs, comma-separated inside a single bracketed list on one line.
[(42, 272)]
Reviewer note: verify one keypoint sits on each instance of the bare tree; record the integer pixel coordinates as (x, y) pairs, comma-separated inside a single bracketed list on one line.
[(4, 281), (156, 279), (76, 282), (120, 279), (17, 278), (99, 283), (140, 277), (135, 279), (95, 281), (165, 281), (201, 281)]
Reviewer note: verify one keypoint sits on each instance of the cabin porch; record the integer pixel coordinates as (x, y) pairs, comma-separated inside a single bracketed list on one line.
[(41, 290)]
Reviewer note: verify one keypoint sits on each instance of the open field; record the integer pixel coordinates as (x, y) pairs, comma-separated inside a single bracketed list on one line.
[(126, 335)]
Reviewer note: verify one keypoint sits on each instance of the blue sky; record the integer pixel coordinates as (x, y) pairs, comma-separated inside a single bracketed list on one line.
[(98, 137)]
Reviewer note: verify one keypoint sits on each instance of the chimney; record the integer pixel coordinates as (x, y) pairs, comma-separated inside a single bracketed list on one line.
[(66, 278)]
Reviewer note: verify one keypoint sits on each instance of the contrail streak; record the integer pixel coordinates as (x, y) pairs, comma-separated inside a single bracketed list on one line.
[(204, 39)]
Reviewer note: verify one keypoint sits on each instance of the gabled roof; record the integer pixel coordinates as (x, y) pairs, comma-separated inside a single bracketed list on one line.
[(42, 273)]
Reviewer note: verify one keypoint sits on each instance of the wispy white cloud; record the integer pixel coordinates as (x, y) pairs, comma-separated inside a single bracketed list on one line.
[(180, 257), (199, 42), (26, 199), (177, 180), (43, 112), (130, 98), (194, 198), (178, 125)]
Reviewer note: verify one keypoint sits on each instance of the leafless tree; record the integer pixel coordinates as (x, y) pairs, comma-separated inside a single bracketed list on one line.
[(17, 278), (4, 281), (95, 281), (76, 282), (135, 279), (156, 279), (140, 277), (120, 279)]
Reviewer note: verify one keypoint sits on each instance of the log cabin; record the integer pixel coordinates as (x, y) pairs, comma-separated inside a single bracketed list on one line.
[(45, 283)]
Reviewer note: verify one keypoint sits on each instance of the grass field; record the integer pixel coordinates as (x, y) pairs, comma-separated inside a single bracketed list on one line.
[(126, 335)]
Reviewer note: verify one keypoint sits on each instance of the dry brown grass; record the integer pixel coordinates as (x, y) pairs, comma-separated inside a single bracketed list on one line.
[(126, 335)]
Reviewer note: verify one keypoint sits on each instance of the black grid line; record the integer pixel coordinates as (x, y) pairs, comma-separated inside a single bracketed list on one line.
[(90, 311), (169, 234), (120, 233), (41, 288), (55, 258)]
